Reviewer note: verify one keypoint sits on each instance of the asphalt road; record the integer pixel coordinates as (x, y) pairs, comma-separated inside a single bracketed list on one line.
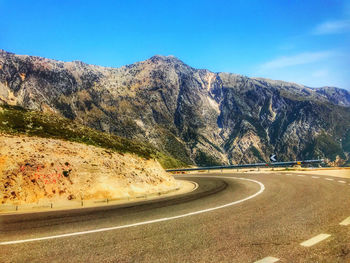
[(224, 220)]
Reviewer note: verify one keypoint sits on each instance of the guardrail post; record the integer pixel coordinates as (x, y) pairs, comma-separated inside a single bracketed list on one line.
[(266, 165), (51, 205), (16, 207)]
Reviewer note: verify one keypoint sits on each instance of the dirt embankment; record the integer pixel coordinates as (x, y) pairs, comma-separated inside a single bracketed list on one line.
[(37, 169)]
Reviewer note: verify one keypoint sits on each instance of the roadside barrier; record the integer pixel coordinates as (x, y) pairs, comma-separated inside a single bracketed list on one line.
[(257, 165)]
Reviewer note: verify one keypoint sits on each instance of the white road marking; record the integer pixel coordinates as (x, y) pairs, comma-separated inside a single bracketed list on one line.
[(345, 222), (195, 186), (315, 240), (343, 182), (267, 260), (316, 177), (329, 179), (300, 175), (262, 188)]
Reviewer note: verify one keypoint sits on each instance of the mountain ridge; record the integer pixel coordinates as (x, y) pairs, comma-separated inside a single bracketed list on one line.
[(196, 115), (174, 58)]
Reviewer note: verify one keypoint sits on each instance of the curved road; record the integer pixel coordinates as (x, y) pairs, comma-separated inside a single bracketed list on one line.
[(268, 217)]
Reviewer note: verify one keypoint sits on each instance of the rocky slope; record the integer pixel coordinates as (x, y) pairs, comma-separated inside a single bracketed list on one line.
[(195, 115), (36, 169)]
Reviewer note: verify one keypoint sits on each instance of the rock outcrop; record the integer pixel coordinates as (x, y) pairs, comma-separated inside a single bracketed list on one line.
[(36, 169)]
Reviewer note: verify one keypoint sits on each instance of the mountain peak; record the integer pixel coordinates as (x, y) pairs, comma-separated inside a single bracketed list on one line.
[(169, 58)]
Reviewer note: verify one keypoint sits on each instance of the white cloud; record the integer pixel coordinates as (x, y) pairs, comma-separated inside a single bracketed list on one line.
[(332, 27), (321, 73), (298, 59)]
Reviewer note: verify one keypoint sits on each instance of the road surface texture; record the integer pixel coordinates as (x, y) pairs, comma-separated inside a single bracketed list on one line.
[(270, 218)]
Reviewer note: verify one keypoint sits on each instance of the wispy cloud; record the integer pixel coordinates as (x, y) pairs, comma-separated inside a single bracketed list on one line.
[(298, 59), (332, 27), (321, 73)]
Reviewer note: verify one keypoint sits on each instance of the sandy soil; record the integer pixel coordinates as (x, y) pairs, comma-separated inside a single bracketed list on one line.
[(36, 170)]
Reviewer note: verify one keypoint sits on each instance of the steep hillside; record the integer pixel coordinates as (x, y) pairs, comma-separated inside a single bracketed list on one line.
[(45, 157), (194, 115), (17, 121), (34, 169)]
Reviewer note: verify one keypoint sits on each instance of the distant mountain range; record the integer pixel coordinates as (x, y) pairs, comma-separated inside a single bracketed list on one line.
[(195, 115)]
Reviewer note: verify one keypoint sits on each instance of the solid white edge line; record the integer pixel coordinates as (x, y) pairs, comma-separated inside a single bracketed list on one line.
[(267, 260), (345, 222), (262, 188), (314, 240)]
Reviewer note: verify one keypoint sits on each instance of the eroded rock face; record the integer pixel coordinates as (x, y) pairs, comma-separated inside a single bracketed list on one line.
[(40, 169), (195, 115)]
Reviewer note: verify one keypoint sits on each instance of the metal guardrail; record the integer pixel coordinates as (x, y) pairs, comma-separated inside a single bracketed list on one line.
[(319, 161)]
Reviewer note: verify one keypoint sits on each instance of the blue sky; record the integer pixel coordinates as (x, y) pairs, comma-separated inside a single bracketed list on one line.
[(307, 42)]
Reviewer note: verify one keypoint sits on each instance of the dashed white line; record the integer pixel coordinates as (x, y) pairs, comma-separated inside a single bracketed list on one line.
[(300, 175), (345, 222), (315, 240), (262, 188), (329, 179), (343, 182), (316, 177), (267, 260)]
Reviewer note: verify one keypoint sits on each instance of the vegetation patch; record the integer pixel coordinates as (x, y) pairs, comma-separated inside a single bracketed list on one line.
[(256, 153), (176, 148), (324, 145), (203, 159)]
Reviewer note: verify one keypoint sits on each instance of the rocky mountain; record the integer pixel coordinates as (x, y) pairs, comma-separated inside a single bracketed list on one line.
[(195, 115)]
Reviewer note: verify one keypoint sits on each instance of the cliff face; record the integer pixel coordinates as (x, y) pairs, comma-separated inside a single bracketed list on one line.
[(196, 115)]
